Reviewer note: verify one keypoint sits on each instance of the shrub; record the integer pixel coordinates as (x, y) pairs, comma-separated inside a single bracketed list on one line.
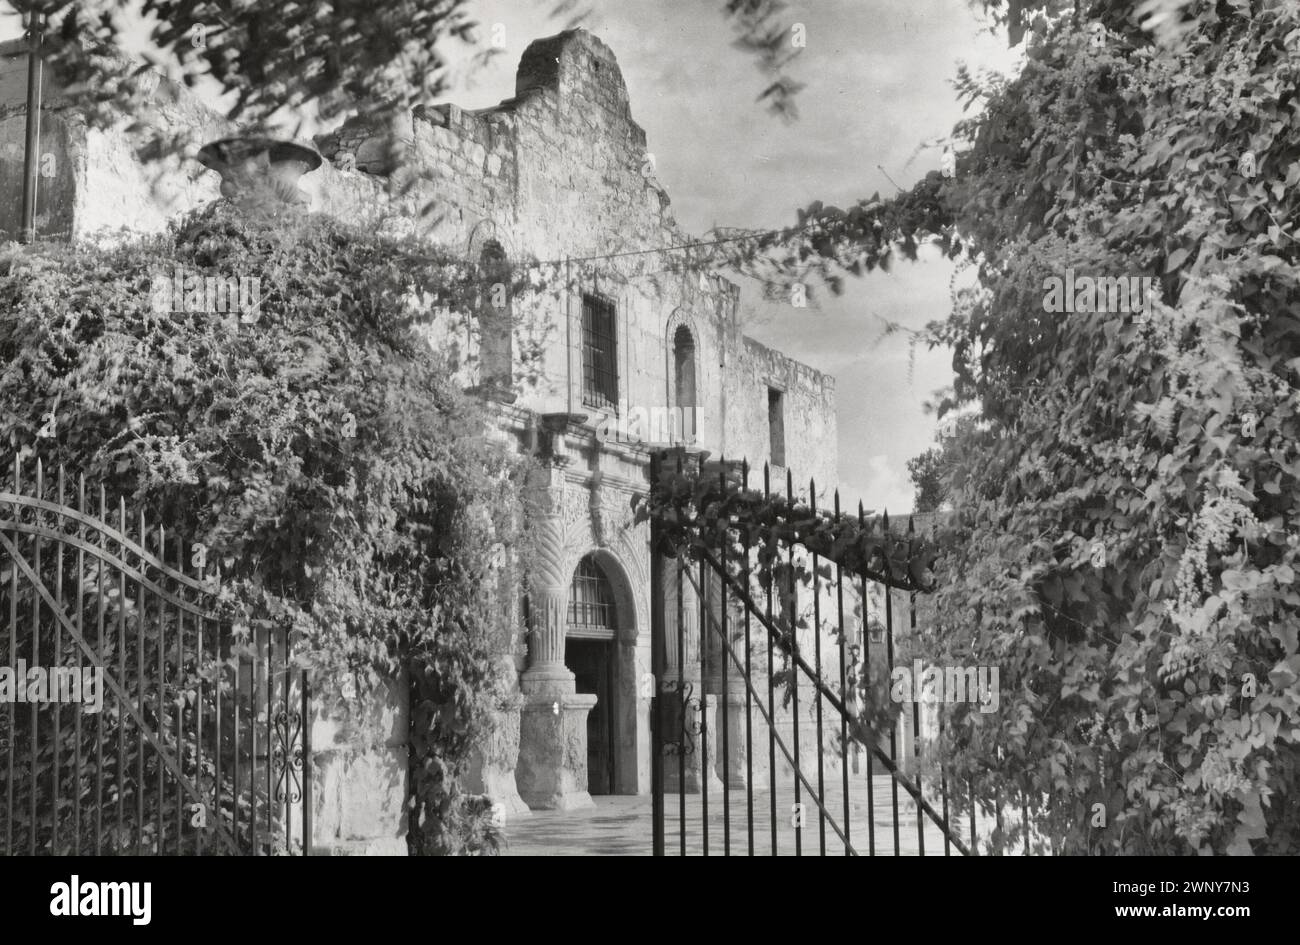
[(320, 449)]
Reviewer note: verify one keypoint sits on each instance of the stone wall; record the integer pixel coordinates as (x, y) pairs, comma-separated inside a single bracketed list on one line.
[(359, 771), (808, 398), (92, 184)]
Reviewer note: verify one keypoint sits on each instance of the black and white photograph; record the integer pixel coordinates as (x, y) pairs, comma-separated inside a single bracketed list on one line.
[(584, 428)]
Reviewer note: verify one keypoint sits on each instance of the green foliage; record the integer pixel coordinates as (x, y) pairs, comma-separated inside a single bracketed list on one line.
[(932, 471), (703, 508), (323, 453), (828, 243), (1128, 542), (924, 472)]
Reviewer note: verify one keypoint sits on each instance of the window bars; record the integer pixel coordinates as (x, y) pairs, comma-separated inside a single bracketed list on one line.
[(591, 601), (599, 353)]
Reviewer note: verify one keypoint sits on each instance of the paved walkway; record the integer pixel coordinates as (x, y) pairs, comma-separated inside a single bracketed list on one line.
[(621, 826)]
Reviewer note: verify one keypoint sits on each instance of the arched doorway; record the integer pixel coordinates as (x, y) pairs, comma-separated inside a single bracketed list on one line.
[(591, 653)]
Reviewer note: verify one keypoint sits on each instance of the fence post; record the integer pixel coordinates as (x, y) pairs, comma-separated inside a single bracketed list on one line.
[(657, 669)]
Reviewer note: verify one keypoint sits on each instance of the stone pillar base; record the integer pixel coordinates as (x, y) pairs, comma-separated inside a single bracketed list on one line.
[(360, 765), (552, 769), (492, 767)]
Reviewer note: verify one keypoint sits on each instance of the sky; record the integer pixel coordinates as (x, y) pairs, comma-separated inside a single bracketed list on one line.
[(878, 94)]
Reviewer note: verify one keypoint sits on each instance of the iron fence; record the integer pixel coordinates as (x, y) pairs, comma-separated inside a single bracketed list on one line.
[(182, 734), (771, 645)]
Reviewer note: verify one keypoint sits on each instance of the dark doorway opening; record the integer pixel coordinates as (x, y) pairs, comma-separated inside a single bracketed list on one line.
[(593, 666)]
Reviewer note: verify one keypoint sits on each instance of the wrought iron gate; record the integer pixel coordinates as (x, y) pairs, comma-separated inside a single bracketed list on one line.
[(762, 679), (132, 719)]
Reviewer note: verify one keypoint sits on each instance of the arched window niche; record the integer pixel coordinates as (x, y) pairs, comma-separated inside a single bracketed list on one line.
[(682, 428)]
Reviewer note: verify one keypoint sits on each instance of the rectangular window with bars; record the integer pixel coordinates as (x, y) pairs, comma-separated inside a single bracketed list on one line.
[(599, 353)]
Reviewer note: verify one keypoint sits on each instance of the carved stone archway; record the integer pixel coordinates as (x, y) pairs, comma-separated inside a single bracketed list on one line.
[(632, 685), (572, 520)]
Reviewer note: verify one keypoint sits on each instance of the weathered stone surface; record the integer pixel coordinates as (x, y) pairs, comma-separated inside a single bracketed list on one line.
[(373, 719), (552, 772), (359, 772), (359, 799), (492, 769)]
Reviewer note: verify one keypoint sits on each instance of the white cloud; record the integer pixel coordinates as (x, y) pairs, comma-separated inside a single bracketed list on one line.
[(885, 487)]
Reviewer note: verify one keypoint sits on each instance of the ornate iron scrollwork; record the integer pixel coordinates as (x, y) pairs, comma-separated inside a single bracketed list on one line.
[(691, 709), (286, 756)]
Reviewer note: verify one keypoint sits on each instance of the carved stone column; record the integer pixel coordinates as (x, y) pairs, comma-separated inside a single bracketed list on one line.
[(552, 769), (549, 595), (546, 673)]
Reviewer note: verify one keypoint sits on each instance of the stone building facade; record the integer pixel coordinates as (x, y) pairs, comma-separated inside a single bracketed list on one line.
[(637, 347)]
